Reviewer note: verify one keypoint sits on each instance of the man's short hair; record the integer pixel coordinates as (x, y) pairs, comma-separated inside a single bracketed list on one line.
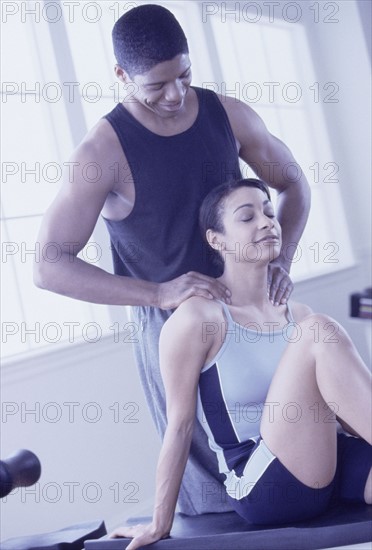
[(145, 36)]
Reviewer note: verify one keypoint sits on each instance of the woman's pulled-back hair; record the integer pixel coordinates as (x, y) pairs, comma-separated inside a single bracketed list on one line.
[(211, 210), (145, 36)]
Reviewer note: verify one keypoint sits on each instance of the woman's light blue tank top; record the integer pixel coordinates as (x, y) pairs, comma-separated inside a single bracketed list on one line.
[(233, 386)]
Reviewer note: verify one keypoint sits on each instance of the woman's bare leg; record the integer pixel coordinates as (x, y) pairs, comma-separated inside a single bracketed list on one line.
[(319, 376), (368, 489)]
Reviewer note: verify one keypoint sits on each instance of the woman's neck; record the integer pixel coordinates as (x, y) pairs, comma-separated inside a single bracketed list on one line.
[(247, 284)]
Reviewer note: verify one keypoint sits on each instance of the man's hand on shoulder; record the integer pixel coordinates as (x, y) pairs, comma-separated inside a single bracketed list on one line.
[(172, 293), (279, 284)]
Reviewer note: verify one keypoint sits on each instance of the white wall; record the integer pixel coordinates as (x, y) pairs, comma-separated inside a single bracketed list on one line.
[(106, 452), (106, 440)]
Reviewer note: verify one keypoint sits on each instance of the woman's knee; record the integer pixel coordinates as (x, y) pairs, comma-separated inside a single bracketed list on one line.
[(318, 329)]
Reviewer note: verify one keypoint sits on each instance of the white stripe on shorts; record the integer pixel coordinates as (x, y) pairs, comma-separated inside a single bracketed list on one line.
[(259, 461)]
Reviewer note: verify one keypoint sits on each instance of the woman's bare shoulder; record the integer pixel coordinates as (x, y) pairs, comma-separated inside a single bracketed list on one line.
[(194, 312), (299, 310)]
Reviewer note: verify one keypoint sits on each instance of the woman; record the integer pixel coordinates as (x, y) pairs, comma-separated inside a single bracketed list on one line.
[(267, 383)]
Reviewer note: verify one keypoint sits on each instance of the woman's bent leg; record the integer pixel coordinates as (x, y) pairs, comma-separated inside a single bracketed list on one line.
[(319, 376)]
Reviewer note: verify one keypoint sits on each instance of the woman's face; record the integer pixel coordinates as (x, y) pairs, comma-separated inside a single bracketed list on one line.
[(251, 231)]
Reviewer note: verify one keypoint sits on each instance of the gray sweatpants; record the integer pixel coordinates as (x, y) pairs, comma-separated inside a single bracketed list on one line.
[(202, 489)]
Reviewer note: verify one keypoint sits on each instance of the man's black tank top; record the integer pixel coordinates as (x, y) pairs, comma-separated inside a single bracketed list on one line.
[(160, 239)]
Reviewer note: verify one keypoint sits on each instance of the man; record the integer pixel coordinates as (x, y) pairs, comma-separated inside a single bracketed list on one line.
[(160, 152)]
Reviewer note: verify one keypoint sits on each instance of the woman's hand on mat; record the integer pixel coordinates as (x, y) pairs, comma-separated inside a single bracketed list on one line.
[(141, 535), (279, 284), (172, 293)]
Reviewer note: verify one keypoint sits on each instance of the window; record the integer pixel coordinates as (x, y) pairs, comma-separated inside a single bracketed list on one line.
[(270, 68), (36, 140), (59, 81)]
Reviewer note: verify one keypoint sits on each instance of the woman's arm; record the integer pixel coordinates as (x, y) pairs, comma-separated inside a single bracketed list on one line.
[(182, 355), (171, 465)]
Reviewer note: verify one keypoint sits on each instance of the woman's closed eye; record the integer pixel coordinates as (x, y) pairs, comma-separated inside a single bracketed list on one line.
[(267, 214)]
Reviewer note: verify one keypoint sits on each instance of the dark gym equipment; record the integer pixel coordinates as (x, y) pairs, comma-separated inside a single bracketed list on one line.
[(21, 469), (361, 304), (70, 538), (341, 525)]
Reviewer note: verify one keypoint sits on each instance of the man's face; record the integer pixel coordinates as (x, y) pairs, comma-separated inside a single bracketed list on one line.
[(164, 87)]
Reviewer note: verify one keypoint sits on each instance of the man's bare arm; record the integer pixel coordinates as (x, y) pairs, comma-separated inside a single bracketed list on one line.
[(273, 162), (69, 223)]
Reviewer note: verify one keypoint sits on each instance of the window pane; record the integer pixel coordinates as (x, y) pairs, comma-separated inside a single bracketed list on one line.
[(12, 313), (47, 317), (32, 166), (88, 27), (22, 65)]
